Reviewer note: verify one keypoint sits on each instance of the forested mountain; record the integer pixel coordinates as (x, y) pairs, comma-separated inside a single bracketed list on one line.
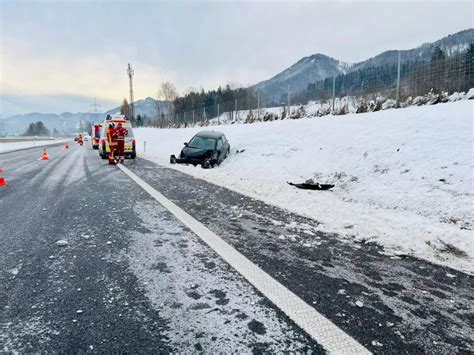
[(296, 78), (315, 68)]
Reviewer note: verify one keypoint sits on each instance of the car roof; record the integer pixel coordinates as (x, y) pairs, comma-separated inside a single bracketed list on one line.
[(210, 134)]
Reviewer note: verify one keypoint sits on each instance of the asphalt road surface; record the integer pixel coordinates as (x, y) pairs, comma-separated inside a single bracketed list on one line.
[(133, 278)]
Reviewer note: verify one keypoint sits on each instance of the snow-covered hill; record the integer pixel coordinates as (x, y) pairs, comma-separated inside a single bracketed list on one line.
[(146, 107), (299, 75), (404, 177)]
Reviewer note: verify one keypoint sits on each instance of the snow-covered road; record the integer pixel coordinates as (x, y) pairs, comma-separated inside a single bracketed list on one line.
[(128, 277), (404, 178)]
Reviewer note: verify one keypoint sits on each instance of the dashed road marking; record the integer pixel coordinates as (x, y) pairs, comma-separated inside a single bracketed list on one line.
[(318, 327)]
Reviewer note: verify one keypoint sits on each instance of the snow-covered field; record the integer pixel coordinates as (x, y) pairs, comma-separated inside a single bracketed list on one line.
[(404, 178), (10, 146)]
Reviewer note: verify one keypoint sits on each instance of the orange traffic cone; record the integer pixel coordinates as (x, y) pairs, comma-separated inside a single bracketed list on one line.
[(2, 180), (67, 146), (45, 155)]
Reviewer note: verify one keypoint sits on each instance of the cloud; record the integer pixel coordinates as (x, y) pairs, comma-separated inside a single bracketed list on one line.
[(83, 47), (55, 73)]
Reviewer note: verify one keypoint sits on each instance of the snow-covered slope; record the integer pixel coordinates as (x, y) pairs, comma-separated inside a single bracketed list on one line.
[(404, 178)]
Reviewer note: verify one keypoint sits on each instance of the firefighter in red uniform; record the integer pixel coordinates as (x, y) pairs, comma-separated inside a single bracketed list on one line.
[(121, 133), (111, 139), (79, 139)]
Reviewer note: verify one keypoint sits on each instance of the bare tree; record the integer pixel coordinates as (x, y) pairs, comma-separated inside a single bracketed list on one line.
[(160, 115), (125, 108), (166, 92)]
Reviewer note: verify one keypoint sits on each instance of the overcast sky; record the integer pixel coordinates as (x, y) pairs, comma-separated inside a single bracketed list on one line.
[(57, 55)]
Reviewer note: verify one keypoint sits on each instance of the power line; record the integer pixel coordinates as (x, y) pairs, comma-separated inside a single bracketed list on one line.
[(95, 106)]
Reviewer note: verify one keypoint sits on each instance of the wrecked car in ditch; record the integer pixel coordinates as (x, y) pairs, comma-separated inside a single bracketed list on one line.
[(207, 148)]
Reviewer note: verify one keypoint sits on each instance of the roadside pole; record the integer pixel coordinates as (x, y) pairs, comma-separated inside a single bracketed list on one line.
[(398, 80)]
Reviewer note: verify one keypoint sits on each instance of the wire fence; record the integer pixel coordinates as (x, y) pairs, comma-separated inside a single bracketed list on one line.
[(399, 83)]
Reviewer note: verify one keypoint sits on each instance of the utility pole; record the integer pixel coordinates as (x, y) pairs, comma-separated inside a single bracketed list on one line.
[(193, 117), (95, 106), (288, 100), (333, 91), (130, 73), (258, 104), (217, 108), (236, 115), (398, 79)]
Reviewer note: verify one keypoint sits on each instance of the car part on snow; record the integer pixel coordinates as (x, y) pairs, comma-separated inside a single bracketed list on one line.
[(311, 185)]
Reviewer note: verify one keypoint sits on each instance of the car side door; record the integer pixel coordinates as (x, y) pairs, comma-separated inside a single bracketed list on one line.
[(220, 150)]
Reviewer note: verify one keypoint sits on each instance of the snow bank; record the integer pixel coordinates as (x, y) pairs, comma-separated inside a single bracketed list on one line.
[(11, 146), (404, 178)]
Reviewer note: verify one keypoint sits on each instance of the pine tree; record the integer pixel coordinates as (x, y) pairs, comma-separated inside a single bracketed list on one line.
[(469, 67), (37, 129), (438, 55), (438, 82)]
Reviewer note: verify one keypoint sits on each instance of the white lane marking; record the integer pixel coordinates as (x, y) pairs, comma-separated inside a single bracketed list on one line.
[(321, 329)]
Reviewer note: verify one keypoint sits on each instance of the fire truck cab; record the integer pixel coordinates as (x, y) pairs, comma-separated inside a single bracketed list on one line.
[(130, 144)]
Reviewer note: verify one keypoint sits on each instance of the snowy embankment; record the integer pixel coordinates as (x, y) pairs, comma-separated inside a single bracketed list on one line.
[(404, 177), (11, 146)]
